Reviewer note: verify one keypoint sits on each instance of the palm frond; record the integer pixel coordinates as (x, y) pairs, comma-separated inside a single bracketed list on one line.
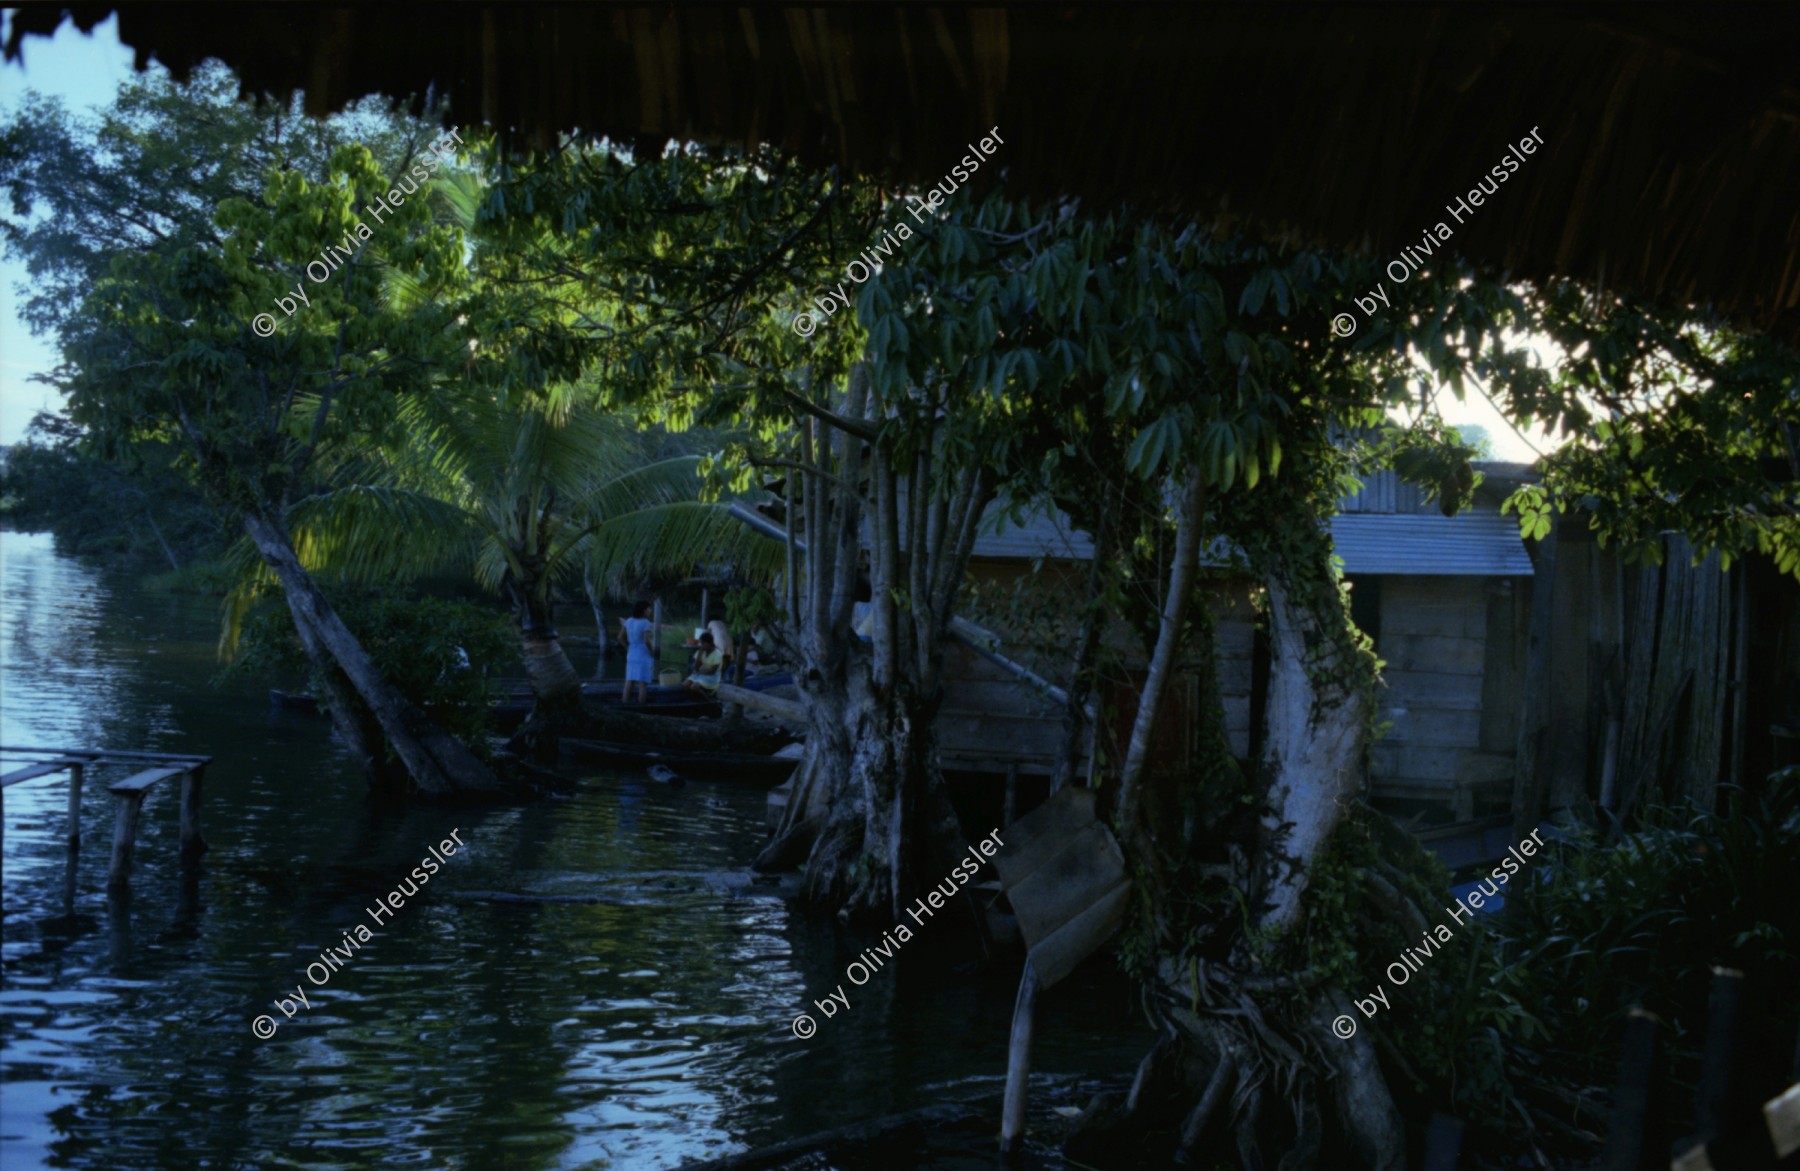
[(370, 533), (667, 481), (250, 578), (458, 195), (674, 538)]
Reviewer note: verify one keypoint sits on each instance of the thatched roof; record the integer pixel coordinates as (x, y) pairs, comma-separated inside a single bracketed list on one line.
[(1670, 165)]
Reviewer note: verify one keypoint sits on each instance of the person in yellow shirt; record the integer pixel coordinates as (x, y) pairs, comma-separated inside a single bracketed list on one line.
[(709, 668)]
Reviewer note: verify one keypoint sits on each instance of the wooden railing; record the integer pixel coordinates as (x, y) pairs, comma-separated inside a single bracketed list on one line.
[(154, 767)]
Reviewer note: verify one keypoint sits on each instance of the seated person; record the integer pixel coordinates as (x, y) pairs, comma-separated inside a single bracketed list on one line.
[(760, 652), (709, 668), (722, 639)]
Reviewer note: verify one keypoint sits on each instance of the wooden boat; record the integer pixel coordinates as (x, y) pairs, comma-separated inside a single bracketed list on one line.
[(292, 701), (740, 767)]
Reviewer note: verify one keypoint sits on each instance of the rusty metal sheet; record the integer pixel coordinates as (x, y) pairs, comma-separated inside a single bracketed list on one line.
[(1080, 937), (1030, 841), (1065, 878)]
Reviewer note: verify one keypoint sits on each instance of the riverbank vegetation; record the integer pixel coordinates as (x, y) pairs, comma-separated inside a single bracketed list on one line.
[(466, 394)]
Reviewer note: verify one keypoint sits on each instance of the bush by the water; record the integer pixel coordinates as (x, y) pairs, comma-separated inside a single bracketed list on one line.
[(443, 654), (1517, 1024), (1640, 921), (1644, 921)]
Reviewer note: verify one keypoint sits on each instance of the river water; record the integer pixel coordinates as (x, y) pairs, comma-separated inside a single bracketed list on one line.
[(644, 1030)]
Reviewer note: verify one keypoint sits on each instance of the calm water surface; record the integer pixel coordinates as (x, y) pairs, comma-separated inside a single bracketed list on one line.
[(646, 1030)]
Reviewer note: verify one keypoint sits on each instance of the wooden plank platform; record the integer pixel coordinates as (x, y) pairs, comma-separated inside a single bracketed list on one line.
[(153, 767)]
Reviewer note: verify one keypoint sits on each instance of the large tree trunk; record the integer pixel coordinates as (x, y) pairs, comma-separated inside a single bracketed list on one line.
[(349, 718), (1317, 724), (868, 807), (438, 763), (1289, 1071)]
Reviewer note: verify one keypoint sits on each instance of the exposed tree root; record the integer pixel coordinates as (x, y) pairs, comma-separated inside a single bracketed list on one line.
[(1224, 1077), (1227, 1073)]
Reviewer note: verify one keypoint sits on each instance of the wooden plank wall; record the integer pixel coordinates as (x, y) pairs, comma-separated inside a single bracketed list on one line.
[(1637, 673), (991, 720), (1434, 639), (1678, 680)]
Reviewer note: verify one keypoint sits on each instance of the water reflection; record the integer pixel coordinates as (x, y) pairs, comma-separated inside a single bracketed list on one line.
[(643, 1028)]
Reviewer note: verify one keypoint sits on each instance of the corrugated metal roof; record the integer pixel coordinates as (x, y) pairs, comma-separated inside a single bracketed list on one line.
[(1049, 534), (1045, 532), (1477, 543), (1384, 491)]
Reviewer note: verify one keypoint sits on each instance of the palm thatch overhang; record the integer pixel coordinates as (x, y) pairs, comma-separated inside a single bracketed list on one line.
[(1671, 163)]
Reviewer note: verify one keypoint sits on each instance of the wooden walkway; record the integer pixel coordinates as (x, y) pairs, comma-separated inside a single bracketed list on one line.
[(152, 768)]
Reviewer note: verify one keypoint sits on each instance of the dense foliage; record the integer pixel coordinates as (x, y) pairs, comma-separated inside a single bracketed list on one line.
[(444, 654), (143, 512), (1516, 1024)]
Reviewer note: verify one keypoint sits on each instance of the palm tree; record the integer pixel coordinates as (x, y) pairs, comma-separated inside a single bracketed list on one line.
[(525, 497)]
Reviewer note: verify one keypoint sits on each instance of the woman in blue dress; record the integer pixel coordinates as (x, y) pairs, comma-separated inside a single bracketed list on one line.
[(640, 661)]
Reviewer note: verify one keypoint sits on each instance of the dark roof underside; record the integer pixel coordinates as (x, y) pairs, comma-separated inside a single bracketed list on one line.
[(1671, 162)]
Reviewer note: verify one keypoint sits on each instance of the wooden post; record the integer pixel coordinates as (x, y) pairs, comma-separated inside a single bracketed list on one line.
[(1609, 767), (1740, 675), (71, 860), (600, 638), (1718, 1061), (1634, 1142), (705, 596), (192, 844), (1018, 1063), (124, 837), (1794, 1071), (75, 776), (1529, 782)]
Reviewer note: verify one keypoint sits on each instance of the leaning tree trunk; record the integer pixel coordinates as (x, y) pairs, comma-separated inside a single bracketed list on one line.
[(438, 763), (349, 719)]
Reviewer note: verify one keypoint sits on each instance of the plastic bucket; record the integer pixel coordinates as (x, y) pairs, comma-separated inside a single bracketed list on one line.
[(671, 678)]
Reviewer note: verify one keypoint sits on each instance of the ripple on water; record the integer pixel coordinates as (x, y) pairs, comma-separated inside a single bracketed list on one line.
[(640, 1031)]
